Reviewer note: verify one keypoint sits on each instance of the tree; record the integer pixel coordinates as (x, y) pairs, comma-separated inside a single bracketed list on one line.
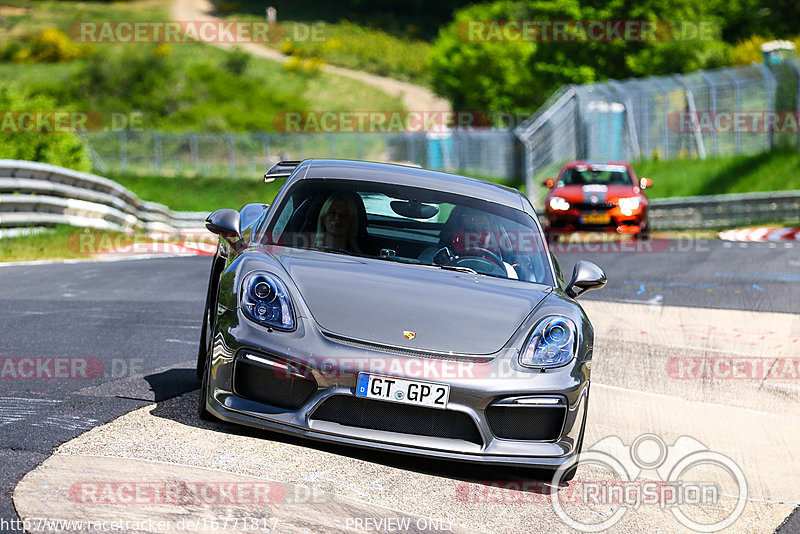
[(485, 70)]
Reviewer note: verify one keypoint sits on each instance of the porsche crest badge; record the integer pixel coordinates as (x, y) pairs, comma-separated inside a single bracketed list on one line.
[(409, 334)]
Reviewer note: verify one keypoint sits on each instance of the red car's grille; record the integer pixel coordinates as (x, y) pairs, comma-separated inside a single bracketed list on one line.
[(584, 206)]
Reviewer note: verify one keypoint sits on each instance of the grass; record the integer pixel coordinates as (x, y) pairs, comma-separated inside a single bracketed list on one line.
[(188, 86), (59, 242), (769, 171), (200, 194), (352, 46)]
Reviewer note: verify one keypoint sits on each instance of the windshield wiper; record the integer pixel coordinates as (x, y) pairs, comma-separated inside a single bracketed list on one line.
[(458, 268)]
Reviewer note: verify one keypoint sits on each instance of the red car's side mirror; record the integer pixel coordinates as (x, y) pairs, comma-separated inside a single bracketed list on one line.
[(549, 183), (644, 183)]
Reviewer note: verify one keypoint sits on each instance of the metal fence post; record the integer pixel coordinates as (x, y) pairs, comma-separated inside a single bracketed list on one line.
[(769, 87), (738, 99), (158, 155), (794, 66), (194, 152), (698, 136), (231, 156), (265, 148), (713, 91), (123, 151)]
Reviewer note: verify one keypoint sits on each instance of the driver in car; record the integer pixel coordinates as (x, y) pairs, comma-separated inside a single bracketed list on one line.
[(337, 225)]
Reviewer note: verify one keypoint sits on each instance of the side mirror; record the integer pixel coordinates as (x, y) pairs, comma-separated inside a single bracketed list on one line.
[(585, 276), (224, 223), (644, 183), (549, 183)]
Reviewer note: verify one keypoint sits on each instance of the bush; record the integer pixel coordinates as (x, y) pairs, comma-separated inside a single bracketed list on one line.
[(64, 149), (236, 61), (54, 46), (50, 46), (518, 76)]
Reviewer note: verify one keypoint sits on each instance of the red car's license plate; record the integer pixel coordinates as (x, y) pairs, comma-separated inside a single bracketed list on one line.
[(596, 218)]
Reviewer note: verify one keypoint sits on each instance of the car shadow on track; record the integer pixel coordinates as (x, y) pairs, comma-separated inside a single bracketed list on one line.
[(459, 471), (171, 383)]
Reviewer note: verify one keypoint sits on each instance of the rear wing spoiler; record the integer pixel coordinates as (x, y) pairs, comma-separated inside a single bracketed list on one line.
[(282, 169)]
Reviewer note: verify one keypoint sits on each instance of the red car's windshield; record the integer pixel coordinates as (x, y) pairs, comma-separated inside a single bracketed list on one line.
[(602, 175)]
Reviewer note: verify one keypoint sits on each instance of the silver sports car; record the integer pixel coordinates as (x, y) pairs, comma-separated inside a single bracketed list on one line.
[(401, 309)]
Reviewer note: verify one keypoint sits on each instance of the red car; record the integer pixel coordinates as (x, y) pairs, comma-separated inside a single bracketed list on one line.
[(596, 196)]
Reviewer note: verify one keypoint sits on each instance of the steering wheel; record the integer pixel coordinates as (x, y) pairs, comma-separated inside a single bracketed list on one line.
[(481, 260)]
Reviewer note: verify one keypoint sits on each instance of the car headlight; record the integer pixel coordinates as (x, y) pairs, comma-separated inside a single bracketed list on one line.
[(551, 344), (265, 300), (629, 204), (559, 204)]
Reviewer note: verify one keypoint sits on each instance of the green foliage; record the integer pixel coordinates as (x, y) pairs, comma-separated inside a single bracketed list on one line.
[(178, 93), (768, 171), (518, 76), (236, 61), (741, 19), (357, 47), (64, 149), (48, 46), (200, 194), (415, 19)]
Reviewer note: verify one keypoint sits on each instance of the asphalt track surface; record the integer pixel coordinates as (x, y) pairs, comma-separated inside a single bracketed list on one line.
[(137, 324)]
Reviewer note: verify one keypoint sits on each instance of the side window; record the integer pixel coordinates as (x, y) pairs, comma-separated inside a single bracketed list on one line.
[(285, 216)]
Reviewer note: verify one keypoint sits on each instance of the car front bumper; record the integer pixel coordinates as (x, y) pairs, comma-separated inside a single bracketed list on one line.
[(474, 388), (618, 222)]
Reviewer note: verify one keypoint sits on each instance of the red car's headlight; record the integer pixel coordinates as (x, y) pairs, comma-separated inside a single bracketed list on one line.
[(559, 204)]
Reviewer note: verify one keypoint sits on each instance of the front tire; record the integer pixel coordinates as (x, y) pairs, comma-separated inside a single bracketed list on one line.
[(202, 409)]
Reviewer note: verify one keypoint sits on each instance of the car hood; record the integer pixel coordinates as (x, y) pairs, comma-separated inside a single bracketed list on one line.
[(584, 193), (378, 301)]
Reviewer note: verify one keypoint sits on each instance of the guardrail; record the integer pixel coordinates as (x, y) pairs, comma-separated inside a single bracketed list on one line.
[(38, 194), (725, 211)]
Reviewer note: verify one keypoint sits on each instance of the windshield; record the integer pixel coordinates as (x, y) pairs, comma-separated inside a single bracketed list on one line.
[(596, 174), (411, 225)]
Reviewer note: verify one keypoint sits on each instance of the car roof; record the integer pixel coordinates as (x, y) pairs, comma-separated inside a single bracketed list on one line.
[(340, 169), (583, 162)]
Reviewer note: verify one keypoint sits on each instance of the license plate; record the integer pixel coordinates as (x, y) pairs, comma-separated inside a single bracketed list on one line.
[(392, 389), (596, 218)]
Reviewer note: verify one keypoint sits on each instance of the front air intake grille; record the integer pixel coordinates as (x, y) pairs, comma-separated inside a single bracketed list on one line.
[(273, 383), (526, 423), (400, 418), (586, 206)]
